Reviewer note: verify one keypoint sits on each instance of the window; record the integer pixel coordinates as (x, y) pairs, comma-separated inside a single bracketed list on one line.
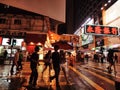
[(17, 21), (2, 20)]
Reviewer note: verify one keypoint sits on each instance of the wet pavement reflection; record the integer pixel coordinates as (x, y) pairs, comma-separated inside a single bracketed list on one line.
[(80, 77)]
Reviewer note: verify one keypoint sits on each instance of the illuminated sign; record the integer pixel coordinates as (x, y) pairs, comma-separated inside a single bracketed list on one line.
[(18, 41), (101, 30), (4, 41)]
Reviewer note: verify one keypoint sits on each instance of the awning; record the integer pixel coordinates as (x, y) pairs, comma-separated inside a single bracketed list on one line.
[(53, 36), (35, 38), (63, 45)]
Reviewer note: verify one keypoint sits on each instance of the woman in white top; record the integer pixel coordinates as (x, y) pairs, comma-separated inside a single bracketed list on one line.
[(63, 63)]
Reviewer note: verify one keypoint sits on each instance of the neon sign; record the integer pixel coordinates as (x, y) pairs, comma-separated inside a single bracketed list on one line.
[(101, 30)]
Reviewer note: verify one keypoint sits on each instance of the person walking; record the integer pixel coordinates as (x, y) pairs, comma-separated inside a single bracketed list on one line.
[(110, 59), (20, 60), (86, 57), (15, 61), (47, 60), (71, 60), (5, 54), (34, 61), (102, 58), (63, 64), (96, 57), (56, 64), (82, 57), (116, 58)]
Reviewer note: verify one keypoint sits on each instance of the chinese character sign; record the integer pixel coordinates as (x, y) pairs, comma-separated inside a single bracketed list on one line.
[(101, 30)]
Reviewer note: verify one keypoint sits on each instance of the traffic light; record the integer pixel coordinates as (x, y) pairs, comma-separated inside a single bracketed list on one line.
[(9, 41), (14, 42)]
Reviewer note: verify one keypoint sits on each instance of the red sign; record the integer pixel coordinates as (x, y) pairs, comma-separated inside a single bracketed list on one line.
[(101, 30), (0, 40)]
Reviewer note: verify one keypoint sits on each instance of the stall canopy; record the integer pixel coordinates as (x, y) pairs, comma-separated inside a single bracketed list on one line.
[(63, 45), (53, 36), (35, 38)]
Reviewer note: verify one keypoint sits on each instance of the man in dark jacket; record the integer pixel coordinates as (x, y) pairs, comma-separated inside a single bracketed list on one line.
[(110, 59), (56, 64), (33, 65)]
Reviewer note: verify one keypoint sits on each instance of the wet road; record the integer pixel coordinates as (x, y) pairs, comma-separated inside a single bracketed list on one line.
[(89, 76)]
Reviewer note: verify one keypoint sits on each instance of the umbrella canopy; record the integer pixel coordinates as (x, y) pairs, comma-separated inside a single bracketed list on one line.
[(63, 45), (48, 48)]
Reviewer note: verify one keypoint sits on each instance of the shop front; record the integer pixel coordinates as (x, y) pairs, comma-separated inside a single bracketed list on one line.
[(10, 40), (35, 39)]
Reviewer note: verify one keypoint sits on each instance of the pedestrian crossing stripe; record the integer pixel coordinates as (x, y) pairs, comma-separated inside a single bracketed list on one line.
[(99, 76), (105, 72), (96, 86)]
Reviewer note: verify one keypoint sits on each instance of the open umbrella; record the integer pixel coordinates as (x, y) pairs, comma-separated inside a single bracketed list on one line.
[(63, 45), (49, 48)]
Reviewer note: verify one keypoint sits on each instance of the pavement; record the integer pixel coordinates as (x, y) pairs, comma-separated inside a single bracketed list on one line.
[(87, 71), (19, 80)]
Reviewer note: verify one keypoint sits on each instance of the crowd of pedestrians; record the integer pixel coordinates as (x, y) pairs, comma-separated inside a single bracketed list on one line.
[(55, 60), (58, 61), (99, 57)]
